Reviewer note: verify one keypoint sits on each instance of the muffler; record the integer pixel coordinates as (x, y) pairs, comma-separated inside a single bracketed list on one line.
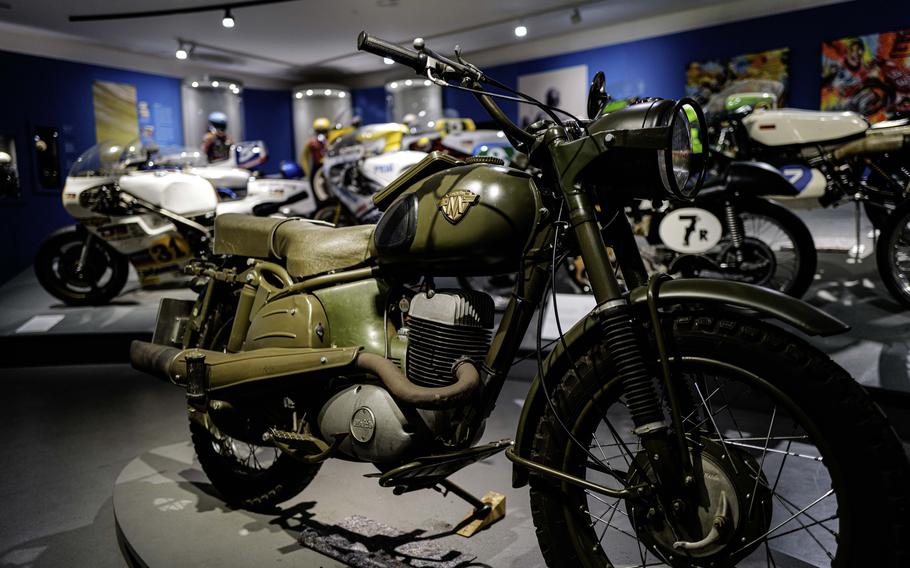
[(224, 371)]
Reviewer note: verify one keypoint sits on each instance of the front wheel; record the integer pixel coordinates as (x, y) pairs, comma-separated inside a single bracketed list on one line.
[(892, 253), (787, 449), (80, 269)]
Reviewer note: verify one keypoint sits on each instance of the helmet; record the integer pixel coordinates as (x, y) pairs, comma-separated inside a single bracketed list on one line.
[(218, 120), (290, 170), (409, 120), (321, 124)]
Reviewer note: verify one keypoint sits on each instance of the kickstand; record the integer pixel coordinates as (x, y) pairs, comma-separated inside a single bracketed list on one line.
[(487, 510)]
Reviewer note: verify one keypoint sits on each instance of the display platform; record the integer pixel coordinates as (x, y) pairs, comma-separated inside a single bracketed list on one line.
[(168, 514), (40, 329)]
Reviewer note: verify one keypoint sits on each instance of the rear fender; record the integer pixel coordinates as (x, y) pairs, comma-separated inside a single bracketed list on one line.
[(732, 295)]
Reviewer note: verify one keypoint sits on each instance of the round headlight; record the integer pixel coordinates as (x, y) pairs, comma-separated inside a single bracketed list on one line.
[(682, 164)]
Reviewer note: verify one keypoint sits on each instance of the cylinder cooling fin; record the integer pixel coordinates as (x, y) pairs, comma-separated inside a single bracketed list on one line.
[(445, 327)]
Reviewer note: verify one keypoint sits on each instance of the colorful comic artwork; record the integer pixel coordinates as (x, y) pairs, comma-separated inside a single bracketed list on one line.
[(705, 78), (868, 74)]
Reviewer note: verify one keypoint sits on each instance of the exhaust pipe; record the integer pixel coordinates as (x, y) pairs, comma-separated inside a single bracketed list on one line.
[(869, 145), (228, 370)]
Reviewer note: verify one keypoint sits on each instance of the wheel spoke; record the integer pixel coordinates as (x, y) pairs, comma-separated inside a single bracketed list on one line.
[(788, 520)]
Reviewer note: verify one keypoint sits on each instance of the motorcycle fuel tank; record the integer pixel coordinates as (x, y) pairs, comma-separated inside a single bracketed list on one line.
[(786, 127), (183, 194), (467, 219)]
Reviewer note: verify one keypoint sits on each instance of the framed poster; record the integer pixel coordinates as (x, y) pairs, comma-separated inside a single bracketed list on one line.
[(704, 78), (868, 74), (566, 88), (116, 118)]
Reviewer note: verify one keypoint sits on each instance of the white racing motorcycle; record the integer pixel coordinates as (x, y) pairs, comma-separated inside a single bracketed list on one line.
[(154, 210)]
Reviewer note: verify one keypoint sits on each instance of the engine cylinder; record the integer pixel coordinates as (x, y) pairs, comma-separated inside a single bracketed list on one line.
[(444, 327)]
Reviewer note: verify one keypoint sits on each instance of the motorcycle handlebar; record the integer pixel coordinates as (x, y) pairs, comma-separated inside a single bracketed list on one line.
[(419, 61), (383, 48)]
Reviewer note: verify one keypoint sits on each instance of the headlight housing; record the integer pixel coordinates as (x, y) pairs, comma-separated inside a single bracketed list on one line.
[(656, 149)]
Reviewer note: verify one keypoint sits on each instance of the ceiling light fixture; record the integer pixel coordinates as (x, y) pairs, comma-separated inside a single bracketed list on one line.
[(228, 20), (183, 51), (342, 94), (215, 84), (393, 85), (408, 83), (575, 18), (388, 60), (194, 84), (309, 92), (427, 82), (298, 95), (328, 92), (521, 30)]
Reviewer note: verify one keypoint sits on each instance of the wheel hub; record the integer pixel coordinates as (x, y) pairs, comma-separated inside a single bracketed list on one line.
[(711, 525)]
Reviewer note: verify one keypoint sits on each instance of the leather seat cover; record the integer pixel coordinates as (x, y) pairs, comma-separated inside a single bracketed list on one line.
[(308, 248)]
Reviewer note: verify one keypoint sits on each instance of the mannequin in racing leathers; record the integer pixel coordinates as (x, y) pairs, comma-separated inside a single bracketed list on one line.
[(314, 150), (217, 142)]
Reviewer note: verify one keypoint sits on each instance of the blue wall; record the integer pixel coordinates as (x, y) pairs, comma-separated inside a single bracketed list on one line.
[(370, 104), (48, 92), (657, 66), (267, 116)]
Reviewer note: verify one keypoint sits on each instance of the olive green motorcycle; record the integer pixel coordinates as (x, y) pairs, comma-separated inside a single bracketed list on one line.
[(677, 424)]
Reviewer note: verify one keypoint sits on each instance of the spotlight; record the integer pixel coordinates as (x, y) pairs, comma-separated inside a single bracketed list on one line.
[(408, 83), (342, 94), (298, 95), (327, 92), (228, 20), (232, 87), (182, 52), (194, 84), (387, 60), (521, 30), (575, 18), (393, 85), (215, 84), (427, 82), (309, 92)]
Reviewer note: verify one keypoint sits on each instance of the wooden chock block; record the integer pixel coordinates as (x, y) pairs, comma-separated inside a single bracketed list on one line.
[(472, 524)]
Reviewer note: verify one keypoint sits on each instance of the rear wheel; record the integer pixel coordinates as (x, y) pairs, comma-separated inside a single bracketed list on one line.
[(80, 269), (777, 251), (248, 473), (805, 465)]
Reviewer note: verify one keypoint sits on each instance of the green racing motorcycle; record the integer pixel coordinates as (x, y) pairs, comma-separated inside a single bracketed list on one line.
[(676, 424)]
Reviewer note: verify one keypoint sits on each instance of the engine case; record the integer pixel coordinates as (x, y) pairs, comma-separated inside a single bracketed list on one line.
[(379, 430)]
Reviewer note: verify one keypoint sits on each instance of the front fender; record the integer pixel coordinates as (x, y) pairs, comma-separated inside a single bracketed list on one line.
[(768, 303)]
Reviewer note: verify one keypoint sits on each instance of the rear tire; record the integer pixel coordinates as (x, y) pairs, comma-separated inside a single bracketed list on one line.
[(239, 469), (868, 468)]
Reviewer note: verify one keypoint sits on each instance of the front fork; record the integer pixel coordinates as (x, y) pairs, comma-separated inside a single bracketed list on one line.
[(83, 254), (667, 454)]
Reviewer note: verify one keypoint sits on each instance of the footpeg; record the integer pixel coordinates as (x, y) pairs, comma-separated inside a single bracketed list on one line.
[(428, 471), (301, 445)]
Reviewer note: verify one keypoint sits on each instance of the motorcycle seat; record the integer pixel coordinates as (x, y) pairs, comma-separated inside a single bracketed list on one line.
[(306, 247)]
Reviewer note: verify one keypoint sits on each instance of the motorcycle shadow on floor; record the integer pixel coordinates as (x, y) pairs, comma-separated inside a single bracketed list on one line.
[(877, 348), (356, 540)]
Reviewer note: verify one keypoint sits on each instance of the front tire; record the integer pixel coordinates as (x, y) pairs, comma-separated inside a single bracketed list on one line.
[(823, 422), (97, 282), (892, 253)]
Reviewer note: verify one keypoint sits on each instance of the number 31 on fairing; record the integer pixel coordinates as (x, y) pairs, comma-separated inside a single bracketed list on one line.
[(690, 230)]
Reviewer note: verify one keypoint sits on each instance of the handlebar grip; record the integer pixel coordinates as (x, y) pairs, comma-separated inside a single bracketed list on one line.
[(383, 48)]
